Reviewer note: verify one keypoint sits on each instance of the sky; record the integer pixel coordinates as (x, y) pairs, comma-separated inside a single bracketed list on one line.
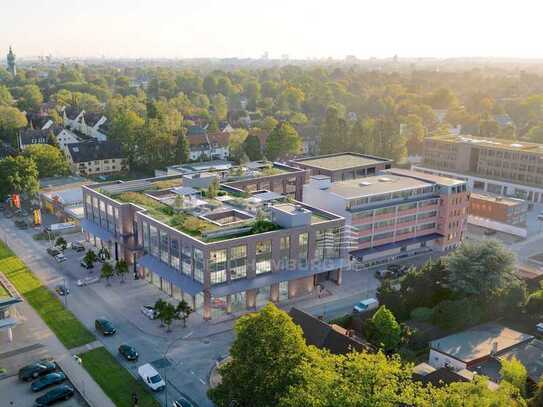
[(298, 28)]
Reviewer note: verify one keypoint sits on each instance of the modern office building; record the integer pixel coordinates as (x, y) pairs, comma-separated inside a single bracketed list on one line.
[(343, 166), (499, 167), (396, 213), (250, 177), (222, 251)]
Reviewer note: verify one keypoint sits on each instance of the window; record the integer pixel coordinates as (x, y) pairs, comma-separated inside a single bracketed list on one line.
[(146, 241), (384, 211), (263, 256), (238, 262), (164, 247), (154, 241), (327, 244), (186, 260), (284, 252), (198, 265), (386, 235), (174, 254), (217, 266), (303, 249), (406, 207)]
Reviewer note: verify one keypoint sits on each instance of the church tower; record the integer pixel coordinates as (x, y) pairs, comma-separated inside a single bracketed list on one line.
[(11, 62)]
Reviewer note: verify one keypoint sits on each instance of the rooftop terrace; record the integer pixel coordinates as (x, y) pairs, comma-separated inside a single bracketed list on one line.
[(343, 161)]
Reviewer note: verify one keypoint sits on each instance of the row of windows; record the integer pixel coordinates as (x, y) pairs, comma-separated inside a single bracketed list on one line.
[(103, 214), (392, 209)]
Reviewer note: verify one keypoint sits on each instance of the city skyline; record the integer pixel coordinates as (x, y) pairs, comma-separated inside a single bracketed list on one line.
[(163, 29)]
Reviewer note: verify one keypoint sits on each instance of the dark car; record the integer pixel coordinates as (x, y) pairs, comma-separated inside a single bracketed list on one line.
[(21, 224), (62, 392), (129, 352), (86, 265), (52, 251), (48, 380), (77, 246), (184, 401), (104, 326), (62, 290), (36, 369)]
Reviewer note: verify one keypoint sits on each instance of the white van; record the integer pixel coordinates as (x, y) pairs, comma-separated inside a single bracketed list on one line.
[(366, 305), (151, 377)]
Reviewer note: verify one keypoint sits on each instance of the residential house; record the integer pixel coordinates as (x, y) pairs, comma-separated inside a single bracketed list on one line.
[(96, 158)]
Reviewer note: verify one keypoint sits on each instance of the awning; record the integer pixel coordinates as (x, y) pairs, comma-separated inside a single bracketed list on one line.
[(264, 280), (407, 242), (174, 276), (96, 230)]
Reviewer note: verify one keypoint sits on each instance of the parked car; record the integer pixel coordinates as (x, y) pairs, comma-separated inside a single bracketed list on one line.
[(184, 401), (539, 328), (62, 290), (149, 311), (48, 380), (21, 224), (381, 274), (62, 392), (87, 281), (366, 305), (36, 369), (77, 246), (60, 258), (104, 326), (53, 252), (128, 352), (151, 377), (86, 265)]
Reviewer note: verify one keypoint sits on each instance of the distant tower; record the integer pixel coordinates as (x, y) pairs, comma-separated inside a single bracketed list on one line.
[(11, 62)]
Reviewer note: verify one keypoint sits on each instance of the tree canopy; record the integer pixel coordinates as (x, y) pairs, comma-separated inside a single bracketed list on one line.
[(50, 161)]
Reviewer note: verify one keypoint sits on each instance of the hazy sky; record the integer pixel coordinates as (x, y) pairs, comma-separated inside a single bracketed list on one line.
[(299, 28)]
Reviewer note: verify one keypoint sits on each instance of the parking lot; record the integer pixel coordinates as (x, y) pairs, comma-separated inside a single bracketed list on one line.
[(15, 392)]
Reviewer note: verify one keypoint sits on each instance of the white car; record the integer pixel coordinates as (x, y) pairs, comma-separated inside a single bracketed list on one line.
[(87, 280), (151, 377), (148, 311), (60, 258), (366, 305)]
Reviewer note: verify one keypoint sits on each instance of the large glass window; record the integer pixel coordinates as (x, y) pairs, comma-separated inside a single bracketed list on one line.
[(238, 262), (303, 239), (164, 247), (174, 253), (110, 219), (186, 260), (146, 241), (198, 265), (284, 248), (263, 256), (154, 240), (117, 222), (217, 266)]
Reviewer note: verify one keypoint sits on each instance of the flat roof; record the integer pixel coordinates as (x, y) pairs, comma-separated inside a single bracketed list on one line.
[(478, 342), (436, 179), (498, 199), (491, 143), (530, 354), (341, 161), (376, 185)]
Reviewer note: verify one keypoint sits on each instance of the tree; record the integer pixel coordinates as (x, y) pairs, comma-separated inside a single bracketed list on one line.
[(19, 175), (213, 189), (236, 144), (514, 372), (268, 123), (537, 399), (11, 120), (220, 106), (159, 308), (90, 258), (5, 96), (483, 269), (61, 243), (121, 269), (534, 305), (50, 161), (31, 98), (282, 142), (168, 314), (385, 330), (183, 149), (330, 131), (266, 354), (106, 272), (535, 135), (252, 147), (183, 310)]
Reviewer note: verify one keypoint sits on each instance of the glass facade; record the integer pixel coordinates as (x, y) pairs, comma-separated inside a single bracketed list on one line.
[(217, 266), (284, 248), (263, 256), (164, 247), (146, 238), (174, 254), (238, 262), (153, 238), (303, 240), (186, 260), (198, 265)]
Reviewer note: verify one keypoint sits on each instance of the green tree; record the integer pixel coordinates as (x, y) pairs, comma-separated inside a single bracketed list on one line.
[(159, 307), (183, 149), (49, 160), (252, 147), (31, 98), (537, 399), (236, 144), (330, 131), (535, 135), (220, 106), (514, 372), (121, 269), (106, 272), (5, 96), (11, 120), (184, 310), (168, 314), (19, 175), (268, 123), (266, 354), (282, 142), (61, 243), (90, 258), (482, 269), (385, 330)]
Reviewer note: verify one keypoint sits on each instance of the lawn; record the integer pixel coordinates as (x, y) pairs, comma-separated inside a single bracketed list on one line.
[(61, 321), (115, 380)]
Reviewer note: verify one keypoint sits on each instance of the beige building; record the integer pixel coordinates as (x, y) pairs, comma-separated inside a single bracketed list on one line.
[(96, 158)]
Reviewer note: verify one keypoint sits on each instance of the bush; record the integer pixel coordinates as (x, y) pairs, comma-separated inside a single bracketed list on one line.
[(457, 314), (534, 305), (422, 314), (345, 321)]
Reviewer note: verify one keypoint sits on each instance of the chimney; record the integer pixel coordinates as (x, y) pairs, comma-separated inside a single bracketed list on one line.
[(494, 349)]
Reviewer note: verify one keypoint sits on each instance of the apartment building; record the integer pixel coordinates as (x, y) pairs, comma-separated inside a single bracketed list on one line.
[(222, 254), (501, 209), (343, 166), (396, 213), (250, 177), (499, 167), (95, 158)]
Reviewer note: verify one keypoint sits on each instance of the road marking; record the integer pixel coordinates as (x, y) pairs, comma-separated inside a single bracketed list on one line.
[(192, 372), (203, 382), (188, 335)]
